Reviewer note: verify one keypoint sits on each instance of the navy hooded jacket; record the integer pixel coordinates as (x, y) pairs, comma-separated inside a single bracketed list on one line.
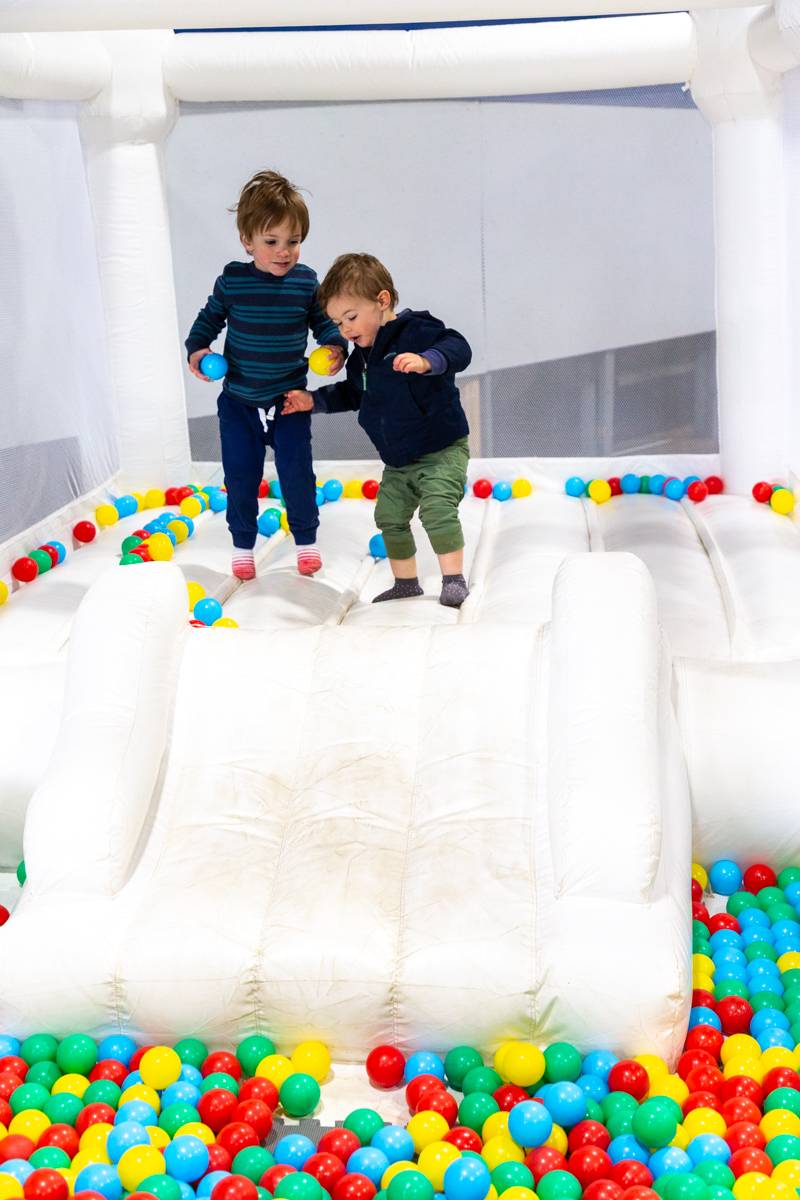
[(404, 415)]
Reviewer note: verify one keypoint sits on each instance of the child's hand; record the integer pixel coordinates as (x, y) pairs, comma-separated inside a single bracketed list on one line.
[(337, 359), (297, 401), (194, 360), (411, 362)]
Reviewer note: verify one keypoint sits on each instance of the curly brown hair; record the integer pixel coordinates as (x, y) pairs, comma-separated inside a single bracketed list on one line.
[(267, 199), (359, 275)]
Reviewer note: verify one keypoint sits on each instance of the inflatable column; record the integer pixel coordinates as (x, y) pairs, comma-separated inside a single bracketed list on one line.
[(123, 129)]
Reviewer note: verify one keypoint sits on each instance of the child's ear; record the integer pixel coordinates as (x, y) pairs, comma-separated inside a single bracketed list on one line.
[(384, 299), (248, 245)]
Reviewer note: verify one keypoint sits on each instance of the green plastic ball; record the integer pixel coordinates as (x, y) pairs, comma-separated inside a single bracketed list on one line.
[(558, 1185), (163, 1187), (788, 875), (63, 1109), (220, 1079), (299, 1096), (410, 1185), (739, 901), (252, 1162), (511, 1174), (562, 1063), (45, 1073), (251, 1051), (298, 1186), (22, 874), (28, 1095), (103, 1091), (474, 1109), (715, 1173), (191, 1051), (481, 1079), (784, 1097), (76, 1054), (175, 1115), (39, 1047), (786, 1145), (49, 1156), (458, 1062), (364, 1123), (653, 1124)]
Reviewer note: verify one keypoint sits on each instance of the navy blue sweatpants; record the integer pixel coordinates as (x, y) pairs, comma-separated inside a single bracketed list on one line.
[(244, 442)]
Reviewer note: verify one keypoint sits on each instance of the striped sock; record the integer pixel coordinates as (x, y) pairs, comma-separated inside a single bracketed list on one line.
[(243, 564), (308, 560)]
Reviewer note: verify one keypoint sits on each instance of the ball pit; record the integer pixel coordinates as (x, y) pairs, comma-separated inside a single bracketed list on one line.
[(601, 490)]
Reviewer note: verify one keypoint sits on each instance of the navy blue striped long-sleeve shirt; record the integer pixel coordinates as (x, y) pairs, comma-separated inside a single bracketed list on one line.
[(268, 319)]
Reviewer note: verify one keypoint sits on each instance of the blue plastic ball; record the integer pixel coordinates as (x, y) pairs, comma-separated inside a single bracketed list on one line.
[(294, 1150), (377, 546), (670, 1158), (626, 1147), (575, 486), (20, 1168), (208, 610), (60, 549), (268, 523), (566, 1103), (213, 366), (599, 1062), (369, 1161), (691, 479), (100, 1177), (530, 1123), (320, 497), (708, 1147), (207, 1184), (122, 1137), (674, 489), (126, 506), (180, 1092), (332, 489), (629, 484), (218, 501), (467, 1178), (187, 1192), (657, 484), (502, 491), (704, 1016), (186, 1158), (8, 1044), (191, 1074), (593, 1086), (725, 877), (775, 1037), (424, 1062), (117, 1046), (395, 1142), (136, 1110)]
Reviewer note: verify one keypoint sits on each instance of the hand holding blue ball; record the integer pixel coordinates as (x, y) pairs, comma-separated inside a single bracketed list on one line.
[(213, 366)]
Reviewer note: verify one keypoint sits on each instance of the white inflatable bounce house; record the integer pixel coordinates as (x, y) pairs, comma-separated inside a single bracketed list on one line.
[(396, 823)]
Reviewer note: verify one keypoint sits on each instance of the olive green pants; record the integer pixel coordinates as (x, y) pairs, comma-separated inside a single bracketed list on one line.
[(435, 485)]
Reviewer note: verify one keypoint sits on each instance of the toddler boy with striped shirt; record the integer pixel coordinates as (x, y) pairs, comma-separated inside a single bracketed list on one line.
[(268, 304)]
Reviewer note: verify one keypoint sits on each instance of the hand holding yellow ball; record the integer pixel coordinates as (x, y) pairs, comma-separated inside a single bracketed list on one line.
[(321, 361)]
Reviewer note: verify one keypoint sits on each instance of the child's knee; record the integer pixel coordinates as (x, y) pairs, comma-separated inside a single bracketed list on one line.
[(440, 521)]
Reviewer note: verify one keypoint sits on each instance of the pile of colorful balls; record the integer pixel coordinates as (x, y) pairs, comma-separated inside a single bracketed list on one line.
[(779, 498), (674, 488)]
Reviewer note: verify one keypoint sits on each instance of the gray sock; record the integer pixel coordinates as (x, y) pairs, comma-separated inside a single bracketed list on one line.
[(403, 589), (454, 591)]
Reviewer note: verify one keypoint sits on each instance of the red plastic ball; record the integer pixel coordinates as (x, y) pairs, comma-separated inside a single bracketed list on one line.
[(170, 498), (273, 1175), (589, 1164), (84, 531), (482, 488), (256, 1114), (222, 1060), (697, 891), (735, 1014), (6, 1113), (700, 1099), (109, 1068), (629, 1172), (385, 1066), (341, 1142), (615, 484), (638, 1193), (183, 493), (699, 911), (464, 1138), (439, 1100), (741, 1085), (697, 491), (702, 999), (603, 1189), (139, 1054), (714, 484), (235, 1187), (219, 1159), (588, 1133), (370, 489), (237, 1136), (739, 1108), (16, 1145), (418, 1085), (62, 1136), (353, 1187), (724, 920), (216, 1108), (743, 1135), (694, 1058), (705, 1080), (45, 1184), (4, 915), (15, 1065), (24, 569), (327, 1169), (750, 1158), (144, 554), (629, 1076), (9, 1082), (705, 1037), (51, 552), (544, 1159), (508, 1094), (759, 876), (780, 1077), (94, 1114), (762, 492), (263, 489), (258, 1088)]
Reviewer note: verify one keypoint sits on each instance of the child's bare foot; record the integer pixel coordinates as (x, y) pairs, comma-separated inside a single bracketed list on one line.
[(308, 560), (243, 564)]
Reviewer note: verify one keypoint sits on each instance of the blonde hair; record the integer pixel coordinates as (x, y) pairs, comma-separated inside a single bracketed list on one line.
[(359, 275), (267, 199)]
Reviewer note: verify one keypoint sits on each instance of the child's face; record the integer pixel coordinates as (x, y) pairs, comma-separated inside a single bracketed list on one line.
[(275, 249), (359, 319)]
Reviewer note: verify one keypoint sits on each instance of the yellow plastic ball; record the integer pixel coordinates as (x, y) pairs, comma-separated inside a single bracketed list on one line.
[(782, 501), (396, 1168), (74, 1085), (276, 1068), (681, 1139), (779, 1056), (139, 498), (352, 489), (753, 1185), (703, 982), (137, 1164), (3, 1130), (312, 1058), (190, 507), (739, 1045), (599, 491), (70, 1176), (501, 1149), (519, 489), (495, 1124), (434, 1161), (154, 498), (140, 1091), (704, 1120), (158, 1136), (226, 623), (87, 1158), (519, 1193), (10, 1188), (179, 529), (160, 547), (3, 592), (789, 960), (743, 1065), (321, 361), (778, 1121), (672, 1086), (160, 1066), (93, 1140), (285, 522), (106, 514), (427, 1127), (557, 1139), (30, 1122), (787, 1172), (499, 1056), (656, 1067), (196, 592), (196, 1129), (523, 1064), (704, 963), (700, 874)]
